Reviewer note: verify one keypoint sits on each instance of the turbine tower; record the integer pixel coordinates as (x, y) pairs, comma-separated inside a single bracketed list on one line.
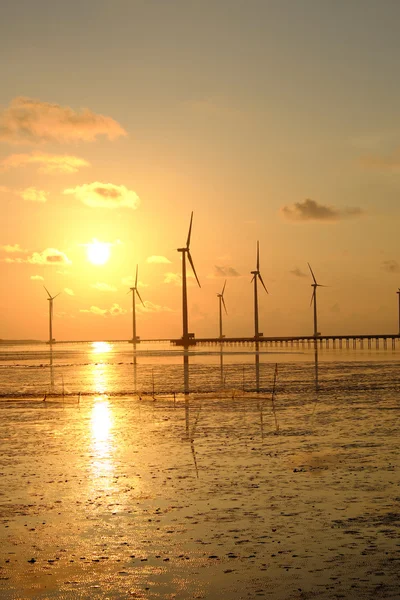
[(134, 291), (398, 293), (221, 302), (186, 251), (50, 299), (314, 300), (257, 275)]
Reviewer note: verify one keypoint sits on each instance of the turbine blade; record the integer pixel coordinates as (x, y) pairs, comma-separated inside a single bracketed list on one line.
[(252, 279), (192, 265), (313, 276), (190, 231), (137, 267), (48, 293), (137, 291), (258, 255), (56, 295), (312, 297), (223, 289), (223, 302), (263, 284)]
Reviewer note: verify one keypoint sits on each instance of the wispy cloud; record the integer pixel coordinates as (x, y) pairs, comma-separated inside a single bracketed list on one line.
[(105, 195), (149, 307), (161, 260), (104, 287), (388, 162), (114, 311), (37, 278), (27, 120), (69, 291), (47, 163), (174, 278), (49, 256), (298, 272), (32, 194), (390, 266), (310, 210), (12, 248), (225, 272)]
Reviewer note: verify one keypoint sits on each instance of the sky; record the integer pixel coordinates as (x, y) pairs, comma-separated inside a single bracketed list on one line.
[(272, 120)]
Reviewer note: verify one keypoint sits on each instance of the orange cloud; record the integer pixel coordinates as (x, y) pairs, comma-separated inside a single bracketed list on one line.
[(105, 195), (48, 163), (310, 210), (104, 287), (27, 120), (12, 248), (50, 256), (114, 311), (158, 260), (34, 195)]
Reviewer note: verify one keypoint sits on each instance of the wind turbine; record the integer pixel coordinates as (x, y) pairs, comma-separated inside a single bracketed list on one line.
[(186, 251), (314, 299), (221, 302), (257, 275), (134, 291), (50, 299)]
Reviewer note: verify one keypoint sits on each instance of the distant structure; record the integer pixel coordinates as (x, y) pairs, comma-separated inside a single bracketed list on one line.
[(187, 338), (314, 300), (50, 299), (221, 302), (257, 275), (134, 291)]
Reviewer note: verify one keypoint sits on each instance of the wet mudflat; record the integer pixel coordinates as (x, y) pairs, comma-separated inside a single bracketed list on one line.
[(200, 498)]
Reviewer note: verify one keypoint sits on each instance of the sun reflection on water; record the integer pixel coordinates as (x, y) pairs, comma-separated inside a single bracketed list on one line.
[(101, 347), (102, 436)]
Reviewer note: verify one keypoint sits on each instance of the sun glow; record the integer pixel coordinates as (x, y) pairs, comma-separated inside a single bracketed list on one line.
[(98, 253)]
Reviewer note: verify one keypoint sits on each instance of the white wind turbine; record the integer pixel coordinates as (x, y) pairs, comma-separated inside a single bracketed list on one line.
[(257, 275), (314, 299), (186, 251), (50, 299), (221, 302), (134, 291)]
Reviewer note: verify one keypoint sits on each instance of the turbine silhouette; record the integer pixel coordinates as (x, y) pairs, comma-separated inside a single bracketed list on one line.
[(257, 275), (50, 299), (134, 291), (221, 302), (186, 252), (314, 299), (398, 293)]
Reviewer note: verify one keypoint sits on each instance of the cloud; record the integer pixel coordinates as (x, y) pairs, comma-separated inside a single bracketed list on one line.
[(149, 307), (129, 281), (37, 278), (104, 287), (13, 248), (390, 266), (114, 311), (173, 278), (225, 272), (48, 163), (309, 210), (298, 272), (27, 120), (105, 195), (390, 162), (4, 189), (158, 260), (50, 256), (32, 194), (69, 291)]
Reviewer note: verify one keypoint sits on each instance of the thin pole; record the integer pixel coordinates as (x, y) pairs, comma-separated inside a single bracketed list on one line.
[(184, 299), (398, 293), (51, 320), (315, 312), (220, 316), (133, 317), (255, 307)]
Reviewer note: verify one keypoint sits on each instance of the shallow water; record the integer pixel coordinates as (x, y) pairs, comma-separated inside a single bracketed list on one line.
[(209, 495)]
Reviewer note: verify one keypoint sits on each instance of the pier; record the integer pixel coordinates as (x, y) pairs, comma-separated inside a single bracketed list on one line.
[(367, 341)]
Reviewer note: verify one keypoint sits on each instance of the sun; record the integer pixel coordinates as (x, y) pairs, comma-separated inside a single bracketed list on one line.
[(98, 253)]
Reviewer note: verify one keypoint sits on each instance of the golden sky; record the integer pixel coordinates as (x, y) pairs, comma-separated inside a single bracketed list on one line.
[(271, 120)]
